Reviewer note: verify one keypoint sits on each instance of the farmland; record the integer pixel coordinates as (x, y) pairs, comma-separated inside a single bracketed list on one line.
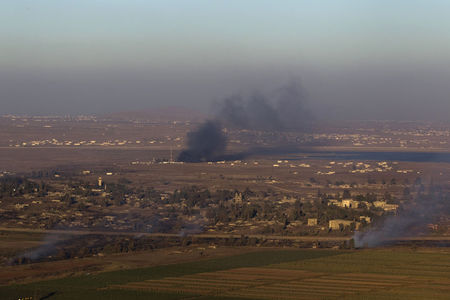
[(385, 273)]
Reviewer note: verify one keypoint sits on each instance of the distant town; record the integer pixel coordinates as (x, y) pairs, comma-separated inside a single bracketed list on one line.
[(370, 135)]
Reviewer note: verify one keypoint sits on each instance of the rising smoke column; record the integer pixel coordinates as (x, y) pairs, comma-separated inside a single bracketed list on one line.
[(291, 105), (47, 248), (254, 113), (410, 220), (204, 144), (233, 112), (286, 110)]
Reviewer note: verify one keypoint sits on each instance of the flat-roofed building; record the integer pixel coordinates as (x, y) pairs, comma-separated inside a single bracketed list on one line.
[(312, 222)]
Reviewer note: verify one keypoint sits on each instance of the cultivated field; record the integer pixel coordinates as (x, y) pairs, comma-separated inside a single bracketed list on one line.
[(353, 275), (391, 273)]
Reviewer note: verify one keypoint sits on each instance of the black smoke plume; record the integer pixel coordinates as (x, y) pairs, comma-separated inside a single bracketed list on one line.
[(285, 110), (207, 143), (255, 113)]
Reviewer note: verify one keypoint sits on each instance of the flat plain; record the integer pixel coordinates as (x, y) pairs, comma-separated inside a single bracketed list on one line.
[(66, 153)]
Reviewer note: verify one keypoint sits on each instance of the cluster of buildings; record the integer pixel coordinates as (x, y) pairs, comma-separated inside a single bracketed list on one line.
[(356, 167), (67, 143), (350, 203), (339, 224), (385, 137)]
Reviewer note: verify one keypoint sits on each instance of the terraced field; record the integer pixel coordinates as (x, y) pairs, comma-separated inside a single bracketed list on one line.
[(281, 274), (227, 282), (381, 274), (271, 283)]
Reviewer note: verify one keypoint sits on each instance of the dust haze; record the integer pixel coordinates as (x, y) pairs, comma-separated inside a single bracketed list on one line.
[(366, 93)]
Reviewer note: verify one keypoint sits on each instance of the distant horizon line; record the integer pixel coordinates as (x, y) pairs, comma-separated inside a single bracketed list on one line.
[(204, 115)]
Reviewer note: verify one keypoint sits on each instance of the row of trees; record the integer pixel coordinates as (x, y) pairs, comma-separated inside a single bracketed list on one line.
[(18, 186)]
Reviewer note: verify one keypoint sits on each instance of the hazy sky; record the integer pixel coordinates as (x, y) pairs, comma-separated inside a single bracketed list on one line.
[(379, 59)]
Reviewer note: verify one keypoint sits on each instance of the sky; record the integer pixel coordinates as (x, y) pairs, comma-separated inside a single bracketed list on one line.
[(357, 59)]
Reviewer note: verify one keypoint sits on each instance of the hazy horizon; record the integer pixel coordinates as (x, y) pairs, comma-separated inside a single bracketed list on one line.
[(355, 59)]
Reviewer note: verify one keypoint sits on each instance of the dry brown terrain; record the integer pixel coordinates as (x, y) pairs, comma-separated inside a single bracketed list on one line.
[(89, 265)]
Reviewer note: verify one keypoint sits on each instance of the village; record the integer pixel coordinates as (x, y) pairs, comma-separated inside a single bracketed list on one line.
[(114, 203), (103, 177)]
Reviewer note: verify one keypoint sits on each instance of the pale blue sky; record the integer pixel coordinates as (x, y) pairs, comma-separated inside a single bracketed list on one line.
[(138, 54)]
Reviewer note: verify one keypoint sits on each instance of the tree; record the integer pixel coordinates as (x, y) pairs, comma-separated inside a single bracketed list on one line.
[(346, 194), (406, 192)]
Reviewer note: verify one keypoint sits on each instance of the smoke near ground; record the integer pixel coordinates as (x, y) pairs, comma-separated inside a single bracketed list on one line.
[(47, 248), (410, 220), (204, 144), (285, 110)]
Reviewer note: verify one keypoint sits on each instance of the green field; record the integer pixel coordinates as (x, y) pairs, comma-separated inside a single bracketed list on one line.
[(271, 274)]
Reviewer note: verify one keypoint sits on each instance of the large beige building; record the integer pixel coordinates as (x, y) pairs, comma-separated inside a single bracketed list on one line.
[(349, 203), (346, 203), (336, 224)]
